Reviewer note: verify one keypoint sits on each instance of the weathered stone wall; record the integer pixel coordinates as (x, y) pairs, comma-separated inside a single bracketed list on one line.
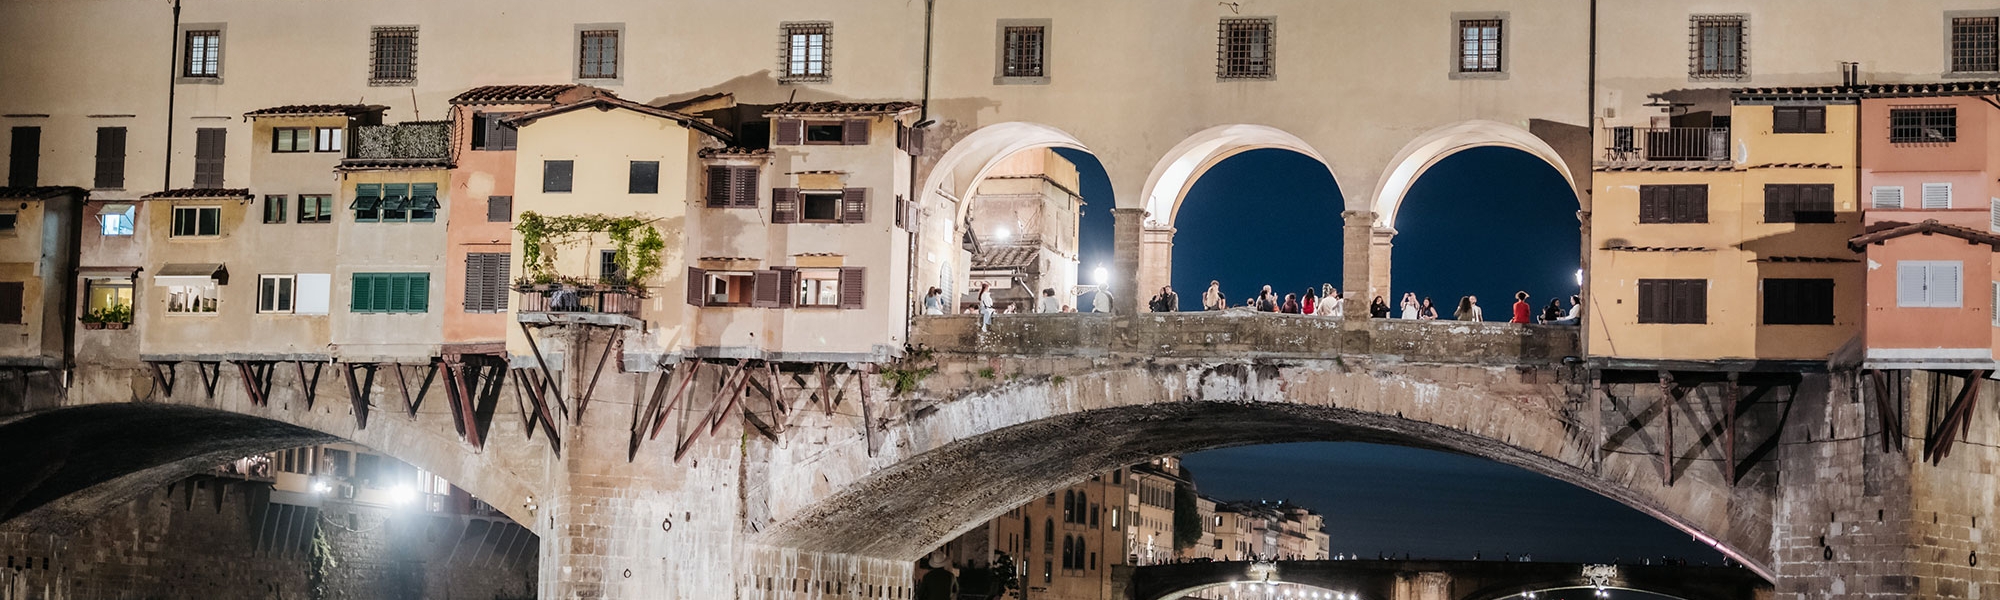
[(1239, 334)]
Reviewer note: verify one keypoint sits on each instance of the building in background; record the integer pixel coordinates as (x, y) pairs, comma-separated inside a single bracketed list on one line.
[(1150, 498), (1024, 219), (38, 252), (1269, 531), (1062, 546)]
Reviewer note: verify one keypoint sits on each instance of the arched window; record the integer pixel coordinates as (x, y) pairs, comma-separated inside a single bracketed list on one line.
[(1049, 536), (1069, 506), (1082, 504), (1069, 552), (1079, 552), (1027, 534)]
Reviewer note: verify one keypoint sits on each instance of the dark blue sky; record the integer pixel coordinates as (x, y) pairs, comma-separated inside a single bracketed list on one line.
[(1486, 222)]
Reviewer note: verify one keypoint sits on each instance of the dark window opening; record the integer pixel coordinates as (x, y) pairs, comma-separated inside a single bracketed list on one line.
[(110, 158), (826, 133), (645, 177), (1798, 301), (1673, 301), (819, 207), (24, 158), (1023, 54), (1798, 119), (1975, 44), (315, 208), (556, 175), (274, 209)]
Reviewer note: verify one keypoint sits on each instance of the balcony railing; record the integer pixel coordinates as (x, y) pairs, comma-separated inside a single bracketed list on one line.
[(588, 298), (1668, 144)]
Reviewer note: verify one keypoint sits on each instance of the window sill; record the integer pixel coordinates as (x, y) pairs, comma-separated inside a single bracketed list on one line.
[(392, 82), (1478, 75), (1014, 80), (792, 79), (193, 238), (198, 79), (1968, 74), (176, 315)]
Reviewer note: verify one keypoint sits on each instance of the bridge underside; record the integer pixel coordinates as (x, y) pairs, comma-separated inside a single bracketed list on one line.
[(1448, 580)]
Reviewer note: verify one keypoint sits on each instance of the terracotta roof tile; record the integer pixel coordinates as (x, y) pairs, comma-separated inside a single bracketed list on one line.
[(1879, 90), (362, 164), (1657, 248), (1806, 259), (611, 101), (734, 151), (840, 108), (512, 94), (43, 192), (317, 110), (199, 193), (1665, 167), (1794, 166), (1889, 230)]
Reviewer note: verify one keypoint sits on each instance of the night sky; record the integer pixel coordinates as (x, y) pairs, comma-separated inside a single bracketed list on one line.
[(1486, 222)]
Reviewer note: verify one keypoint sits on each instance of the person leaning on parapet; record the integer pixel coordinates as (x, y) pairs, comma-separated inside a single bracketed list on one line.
[(934, 302), (1468, 309), (1213, 298), (1165, 301), (1049, 302), (1102, 302), (985, 305), (1329, 304)]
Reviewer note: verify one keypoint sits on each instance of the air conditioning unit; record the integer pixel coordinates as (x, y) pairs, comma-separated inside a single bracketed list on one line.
[(347, 491)]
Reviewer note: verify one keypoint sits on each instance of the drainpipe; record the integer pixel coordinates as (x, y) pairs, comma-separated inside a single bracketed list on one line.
[(911, 298), (173, 69), (1589, 122)]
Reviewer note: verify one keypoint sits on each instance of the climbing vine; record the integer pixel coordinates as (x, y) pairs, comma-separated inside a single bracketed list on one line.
[(638, 243)]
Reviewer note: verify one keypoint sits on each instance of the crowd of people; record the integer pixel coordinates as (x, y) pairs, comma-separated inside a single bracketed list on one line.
[(1326, 301)]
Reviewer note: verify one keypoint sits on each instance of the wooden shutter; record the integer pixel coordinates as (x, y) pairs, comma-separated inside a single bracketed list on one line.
[(697, 287), (1937, 195), (743, 187), (11, 302), (788, 287), (1650, 208), (364, 295), (791, 132), (851, 287), (1695, 298), (476, 285), (1817, 203), (1787, 119), (902, 216), (1779, 203), (1911, 277), (499, 209), (1696, 199), (718, 186), (1943, 288), (1993, 215), (916, 141), (1814, 120), (24, 157), (501, 137), (764, 289), (854, 205), (902, 137), (209, 146), (417, 292), (1887, 196), (1649, 305), (785, 205), (110, 158), (1817, 298), (855, 132)]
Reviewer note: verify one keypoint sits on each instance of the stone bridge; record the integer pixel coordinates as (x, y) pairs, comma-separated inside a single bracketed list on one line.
[(687, 478), (1447, 580)]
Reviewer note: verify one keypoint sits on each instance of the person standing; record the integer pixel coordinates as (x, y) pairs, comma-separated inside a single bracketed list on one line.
[(985, 305), (1102, 302), (1522, 312), (1428, 311), (1213, 298), (1378, 309), (1267, 301), (1049, 302), (1290, 306), (1468, 310), (1410, 306), (936, 582), (934, 302), (1308, 302), (1330, 303)]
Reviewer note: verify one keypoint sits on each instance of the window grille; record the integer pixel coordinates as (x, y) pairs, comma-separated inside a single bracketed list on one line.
[(1717, 47), (598, 56), (805, 51), (203, 54), (1245, 49), (1975, 44), (1023, 55), (1479, 46), (394, 60), (1923, 125)]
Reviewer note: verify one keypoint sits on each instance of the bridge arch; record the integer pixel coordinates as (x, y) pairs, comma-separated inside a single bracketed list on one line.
[(1437, 144), (948, 189), (1168, 184)]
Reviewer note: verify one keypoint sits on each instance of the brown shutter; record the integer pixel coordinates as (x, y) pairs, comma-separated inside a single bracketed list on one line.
[(902, 137), (851, 287), (902, 213), (791, 132), (1698, 198), (697, 287), (1815, 120), (718, 186), (1697, 294), (208, 156), (784, 205), (916, 141), (743, 184), (1649, 204), (788, 287), (475, 280), (764, 290), (11, 301), (110, 158), (854, 205), (1785, 119), (855, 133), (24, 157), (1649, 305)]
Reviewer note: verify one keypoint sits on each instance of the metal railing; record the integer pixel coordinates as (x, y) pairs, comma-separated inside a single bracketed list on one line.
[(1668, 144), (601, 299)]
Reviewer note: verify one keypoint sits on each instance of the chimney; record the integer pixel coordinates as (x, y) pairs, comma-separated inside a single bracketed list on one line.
[(1850, 74)]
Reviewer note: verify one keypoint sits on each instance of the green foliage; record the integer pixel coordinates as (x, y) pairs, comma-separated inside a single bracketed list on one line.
[(904, 379), (322, 564), (986, 372), (1187, 516), (1058, 380), (119, 313), (638, 243)]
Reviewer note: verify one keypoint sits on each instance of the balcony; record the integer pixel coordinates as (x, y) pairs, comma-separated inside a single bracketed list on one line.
[(417, 143), (579, 300), (1668, 144)]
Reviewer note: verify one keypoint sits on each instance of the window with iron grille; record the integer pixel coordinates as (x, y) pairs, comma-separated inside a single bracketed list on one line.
[(1923, 125), (394, 57), (804, 51), (201, 54), (1245, 48), (1479, 46), (1022, 56), (597, 57), (1975, 44), (1716, 47)]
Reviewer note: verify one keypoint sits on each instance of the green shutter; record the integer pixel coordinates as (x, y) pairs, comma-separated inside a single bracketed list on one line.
[(379, 299), (360, 300), (398, 290), (419, 298)]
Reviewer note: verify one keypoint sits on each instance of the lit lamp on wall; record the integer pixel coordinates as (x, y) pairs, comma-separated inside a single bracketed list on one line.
[(1100, 276)]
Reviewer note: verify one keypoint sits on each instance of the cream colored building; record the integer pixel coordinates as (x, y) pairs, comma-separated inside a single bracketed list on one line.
[(1149, 504), (1063, 546), (1024, 219)]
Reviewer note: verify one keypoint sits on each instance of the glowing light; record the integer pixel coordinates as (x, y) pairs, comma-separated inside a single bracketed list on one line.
[(1101, 276), (321, 487), (1579, 277), (1003, 233), (402, 494)]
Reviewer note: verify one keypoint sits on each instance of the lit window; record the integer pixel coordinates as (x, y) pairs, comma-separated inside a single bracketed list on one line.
[(819, 287), (730, 288), (191, 299), (103, 295), (328, 139), (202, 55), (806, 51), (1479, 46), (116, 219)]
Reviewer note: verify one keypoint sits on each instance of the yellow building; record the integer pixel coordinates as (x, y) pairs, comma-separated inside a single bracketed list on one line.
[(37, 253), (1717, 230), (1063, 545)]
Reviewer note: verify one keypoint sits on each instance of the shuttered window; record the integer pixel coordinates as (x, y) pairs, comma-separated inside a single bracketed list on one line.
[(1937, 196), (731, 187), (24, 157), (854, 205), (1886, 196), (1798, 301), (1673, 204), (1673, 301), (489, 134), (499, 209), (110, 158), (1798, 119), (1993, 215), (855, 132), (556, 175), (1929, 283), (486, 281), (209, 144), (391, 293), (790, 132), (1798, 203), (784, 206), (11, 302), (1995, 309), (852, 282), (645, 177)]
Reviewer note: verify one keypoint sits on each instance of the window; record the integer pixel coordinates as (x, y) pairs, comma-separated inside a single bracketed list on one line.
[(116, 219), (807, 50), (1886, 196), (1673, 301), (201, 54), (1798, 301), (607, 266), (315, 208), (191, 299), (732, 186), (209, 146), (13, 297), (1929, 283), (394, 57), (24, 157), (313, 293), (1114, 518), (1049, 536), (852, 132), (645, 177), (1716, 47), (597, 54), (391, 293), (1479, 46), (556, 176), (499, 209), (819, 207), (1021, 51), (730, 288), (486, 283), (1244, 49), (819, 287), (1798, 203), (197, 221), (1975, 44), (328, 139), (105, 293), (1673, 204), (1993, 215), (274, 209), (395, 202), (1798, 119), (110, 159), (791, 205), (292, 139), (275, 293), (825, 132), (489, 134), (1923, 125), (1937, 195)]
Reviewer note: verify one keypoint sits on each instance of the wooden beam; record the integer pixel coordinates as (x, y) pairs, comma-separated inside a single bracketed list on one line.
[(310, 386), (164, 377), (1956, 422), (1770, 442), (211, 373), (1890, 417), (547, 374), (1673, 394), (610, 341), (712, 420), (536, 394), (358, 392), (1729, 429), (868, 412), (692, 369), (255, 382)]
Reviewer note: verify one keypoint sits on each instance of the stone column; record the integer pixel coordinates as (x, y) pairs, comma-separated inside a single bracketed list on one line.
[(1380, 242), (1422, 586), (1128, 231), (1356, 260), (1156, 263)]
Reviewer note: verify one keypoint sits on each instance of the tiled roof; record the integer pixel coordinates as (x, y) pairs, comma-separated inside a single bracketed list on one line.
[(41, 192), (1657, 248), (1880, 90), (199, 193), (1794, 166), (678, 105), (1652, 167), (725, 258), (360, 164), (610, 101), (734, 151), (1005, 257), (317, 110), (840, 108), (512, 94), (1806, 259), (1889, 230)]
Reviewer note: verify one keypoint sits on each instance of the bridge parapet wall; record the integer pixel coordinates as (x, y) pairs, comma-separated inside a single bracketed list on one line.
[(1239, 334)]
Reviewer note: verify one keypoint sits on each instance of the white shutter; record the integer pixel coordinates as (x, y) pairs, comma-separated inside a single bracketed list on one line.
[(1996, 304), (314, 290), (1937, 195), (1943, 290), (1888, 196), (1911, 275), (1993, 215)]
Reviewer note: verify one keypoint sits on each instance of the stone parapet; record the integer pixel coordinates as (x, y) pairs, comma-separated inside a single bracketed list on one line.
[(1244, 334)]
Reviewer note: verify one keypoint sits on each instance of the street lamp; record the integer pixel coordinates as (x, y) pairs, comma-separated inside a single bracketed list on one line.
[(1100, 276)]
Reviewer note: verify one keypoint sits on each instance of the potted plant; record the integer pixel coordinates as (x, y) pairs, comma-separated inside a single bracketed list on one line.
[(94, 319), (544, 281), (117, 316)]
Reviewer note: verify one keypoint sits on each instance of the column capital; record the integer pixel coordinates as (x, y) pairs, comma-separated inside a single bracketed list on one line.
[(1358, 218)]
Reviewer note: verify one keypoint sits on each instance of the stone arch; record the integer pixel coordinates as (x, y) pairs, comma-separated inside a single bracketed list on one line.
[(953, 179), (1435, 145), (1167, 186)]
